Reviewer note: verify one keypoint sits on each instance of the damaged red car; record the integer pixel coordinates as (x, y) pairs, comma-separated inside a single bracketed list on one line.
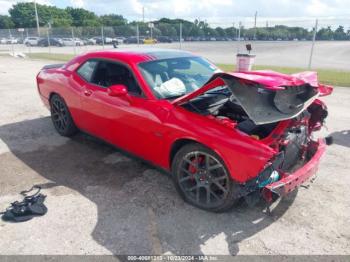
[(222, 136)]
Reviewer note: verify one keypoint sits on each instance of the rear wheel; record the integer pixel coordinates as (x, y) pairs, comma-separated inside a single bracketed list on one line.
[(201, 178), (61, 117)]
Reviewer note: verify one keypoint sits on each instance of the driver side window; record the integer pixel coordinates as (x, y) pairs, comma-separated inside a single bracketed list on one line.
[(106, 74), (87, 69)]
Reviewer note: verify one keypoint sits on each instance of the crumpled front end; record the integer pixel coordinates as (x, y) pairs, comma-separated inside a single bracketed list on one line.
[(291, 180), (275, 110), (299, 154)]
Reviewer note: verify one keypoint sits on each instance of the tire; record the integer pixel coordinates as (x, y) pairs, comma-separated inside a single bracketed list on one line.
[(200, 174), (61, 117)]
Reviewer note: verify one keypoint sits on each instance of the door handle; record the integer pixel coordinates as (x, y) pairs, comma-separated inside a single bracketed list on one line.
[(87, 92)]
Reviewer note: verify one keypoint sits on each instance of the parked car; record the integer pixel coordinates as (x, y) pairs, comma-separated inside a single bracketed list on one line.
[(222, 136), (106, 40), (11, 40), (31, 41), (50, 41), (72, 42), (149, 40), (119, 40), (89, 41), (78, 42), (164, 39), (3, 41), (133, 40)]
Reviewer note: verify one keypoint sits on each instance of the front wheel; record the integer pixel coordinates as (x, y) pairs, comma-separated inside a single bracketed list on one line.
[(201, 178), (61, 117)]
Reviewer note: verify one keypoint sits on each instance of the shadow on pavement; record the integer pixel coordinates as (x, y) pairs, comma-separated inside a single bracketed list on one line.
[(341, 138), (139, 211)]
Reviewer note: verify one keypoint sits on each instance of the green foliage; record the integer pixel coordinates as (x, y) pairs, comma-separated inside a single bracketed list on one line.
[(82, 17), (113, 20), (6, 22), (23, 15)]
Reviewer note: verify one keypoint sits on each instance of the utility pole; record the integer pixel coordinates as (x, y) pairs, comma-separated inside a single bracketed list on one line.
[(143, 14), (37, 18), (233, 30), (239, 36), (180, 35), (256, 14), (313, 44)]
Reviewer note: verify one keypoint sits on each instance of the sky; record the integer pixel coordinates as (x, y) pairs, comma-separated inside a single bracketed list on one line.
[(217, 12)]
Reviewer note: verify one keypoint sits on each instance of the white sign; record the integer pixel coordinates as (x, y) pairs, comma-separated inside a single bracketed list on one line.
[(20, 29), (150, 25)]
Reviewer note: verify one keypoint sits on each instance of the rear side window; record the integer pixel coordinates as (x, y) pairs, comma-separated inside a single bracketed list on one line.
[(87, 69)]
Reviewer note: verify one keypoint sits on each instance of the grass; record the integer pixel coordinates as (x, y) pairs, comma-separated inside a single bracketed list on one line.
[(48, 56), (326, 76)]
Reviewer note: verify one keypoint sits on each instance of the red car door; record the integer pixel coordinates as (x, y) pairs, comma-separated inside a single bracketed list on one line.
[(96, 110), (138, 126), (131, 122)]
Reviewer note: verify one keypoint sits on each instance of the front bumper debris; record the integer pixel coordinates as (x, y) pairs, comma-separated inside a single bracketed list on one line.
[(290, 181)]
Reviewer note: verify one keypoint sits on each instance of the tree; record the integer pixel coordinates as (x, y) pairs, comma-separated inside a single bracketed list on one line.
[(6, 22), (325, 34), (23, 15), (113, 20), (339, 33), (166, 29), (82, 17), (220, 31)]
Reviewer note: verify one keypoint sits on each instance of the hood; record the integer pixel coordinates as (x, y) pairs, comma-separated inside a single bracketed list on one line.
[(266, 96)]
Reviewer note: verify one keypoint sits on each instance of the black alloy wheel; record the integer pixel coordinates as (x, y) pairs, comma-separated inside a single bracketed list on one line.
[(202, 179), (61, 117)]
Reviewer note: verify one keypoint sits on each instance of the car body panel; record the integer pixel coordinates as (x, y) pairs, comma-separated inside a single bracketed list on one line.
[(254, 90), (149, 127), (291, 181)]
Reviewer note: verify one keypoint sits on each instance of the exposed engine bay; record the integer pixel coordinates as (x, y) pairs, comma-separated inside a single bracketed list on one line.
[(257, 112), (222, 104)]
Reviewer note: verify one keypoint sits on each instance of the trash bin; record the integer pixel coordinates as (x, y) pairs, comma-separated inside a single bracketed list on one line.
[(244, 62)]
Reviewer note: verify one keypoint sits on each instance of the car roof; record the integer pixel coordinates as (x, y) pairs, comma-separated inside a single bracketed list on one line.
[(137, 55)]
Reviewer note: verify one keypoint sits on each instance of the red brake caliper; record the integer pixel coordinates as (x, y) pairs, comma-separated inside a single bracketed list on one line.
[(192, 168)]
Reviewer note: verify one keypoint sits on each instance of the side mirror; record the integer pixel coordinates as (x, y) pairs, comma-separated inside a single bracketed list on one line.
[(117, 90)]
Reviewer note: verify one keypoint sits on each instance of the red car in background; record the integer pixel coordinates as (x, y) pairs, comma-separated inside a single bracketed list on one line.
[(223, 136)]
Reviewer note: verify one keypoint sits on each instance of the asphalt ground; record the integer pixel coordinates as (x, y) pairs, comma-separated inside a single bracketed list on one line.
[(327, 54)]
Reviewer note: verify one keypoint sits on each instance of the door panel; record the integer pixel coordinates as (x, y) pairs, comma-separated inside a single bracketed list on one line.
[(138, 127), (132, 123)]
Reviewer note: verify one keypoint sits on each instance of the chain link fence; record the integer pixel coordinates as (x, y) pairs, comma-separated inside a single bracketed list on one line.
[(275, 44)]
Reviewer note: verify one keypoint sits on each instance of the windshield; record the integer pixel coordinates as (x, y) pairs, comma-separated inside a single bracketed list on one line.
[(174, 77)]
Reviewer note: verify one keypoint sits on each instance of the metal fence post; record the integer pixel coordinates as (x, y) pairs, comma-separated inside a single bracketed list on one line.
[(313, 44), (103, 38), (239, 36), (48, 40), (29, 48), (11, 42), (74, 43), (180, 35)]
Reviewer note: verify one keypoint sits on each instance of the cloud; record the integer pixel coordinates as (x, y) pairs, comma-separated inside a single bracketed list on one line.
[(216, 12), (5, 5), (77, 3)]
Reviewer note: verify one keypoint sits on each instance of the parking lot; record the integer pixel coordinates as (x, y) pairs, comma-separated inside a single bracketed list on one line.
[(102, 201), (327, 54)]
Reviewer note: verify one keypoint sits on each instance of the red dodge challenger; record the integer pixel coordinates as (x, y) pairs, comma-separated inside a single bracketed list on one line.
[(223, 136)]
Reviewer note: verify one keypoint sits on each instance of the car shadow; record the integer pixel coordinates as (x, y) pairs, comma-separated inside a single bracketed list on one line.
[(138, 209), (341, 138)]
